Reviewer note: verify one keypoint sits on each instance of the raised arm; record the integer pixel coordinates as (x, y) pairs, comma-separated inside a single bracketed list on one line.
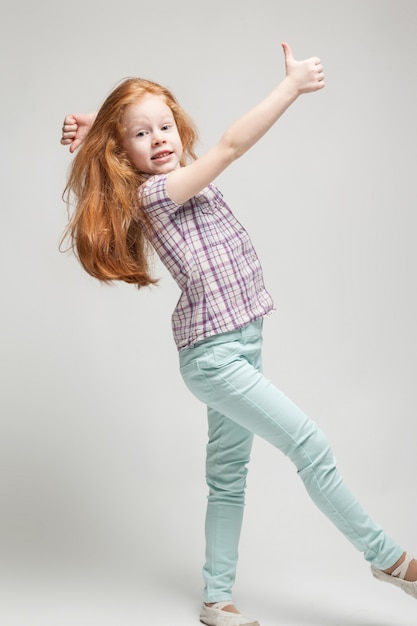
[(301, 77), (75, 128)]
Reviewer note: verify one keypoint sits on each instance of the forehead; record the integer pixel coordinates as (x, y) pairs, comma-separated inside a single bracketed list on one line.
[(148, 108)]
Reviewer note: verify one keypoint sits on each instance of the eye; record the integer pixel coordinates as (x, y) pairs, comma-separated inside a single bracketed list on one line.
[(141, 133), (166, 127)]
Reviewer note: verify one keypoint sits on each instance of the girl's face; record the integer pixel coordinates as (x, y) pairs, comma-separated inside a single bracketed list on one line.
[(151, 137)]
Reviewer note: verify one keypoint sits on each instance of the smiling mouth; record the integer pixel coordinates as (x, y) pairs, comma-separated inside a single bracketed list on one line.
[(161, 155)]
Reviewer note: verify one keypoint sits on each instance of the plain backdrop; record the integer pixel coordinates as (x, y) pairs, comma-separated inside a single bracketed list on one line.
[(102, 491)]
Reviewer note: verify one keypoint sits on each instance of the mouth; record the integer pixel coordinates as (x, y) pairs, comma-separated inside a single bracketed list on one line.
[(161, 156)]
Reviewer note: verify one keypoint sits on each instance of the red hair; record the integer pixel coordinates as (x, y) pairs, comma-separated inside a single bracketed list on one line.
[(106, 228)]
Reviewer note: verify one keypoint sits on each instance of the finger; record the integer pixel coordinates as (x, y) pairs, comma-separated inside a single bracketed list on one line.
[(69, 119), (68, 136), (69, 128), (287, 52)]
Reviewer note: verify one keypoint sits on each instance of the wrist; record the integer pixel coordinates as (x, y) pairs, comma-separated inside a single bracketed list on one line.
[(291, 87)]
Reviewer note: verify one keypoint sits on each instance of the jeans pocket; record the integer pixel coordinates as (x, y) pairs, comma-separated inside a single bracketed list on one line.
[(225, 353), (196, 380)]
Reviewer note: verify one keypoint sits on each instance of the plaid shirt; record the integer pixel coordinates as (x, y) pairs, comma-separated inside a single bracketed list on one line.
[(212, 259)]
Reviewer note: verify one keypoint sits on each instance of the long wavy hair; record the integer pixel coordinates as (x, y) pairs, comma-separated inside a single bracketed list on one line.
[(107, 227)]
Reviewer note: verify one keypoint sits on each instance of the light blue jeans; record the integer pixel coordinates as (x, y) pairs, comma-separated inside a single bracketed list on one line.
[(225, 373)]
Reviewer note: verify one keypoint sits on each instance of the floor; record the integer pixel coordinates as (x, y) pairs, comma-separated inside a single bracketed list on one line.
[(295, 569), (318, 598)]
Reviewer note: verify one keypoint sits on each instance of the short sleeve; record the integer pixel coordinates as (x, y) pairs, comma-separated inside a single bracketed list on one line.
[(154, 198)]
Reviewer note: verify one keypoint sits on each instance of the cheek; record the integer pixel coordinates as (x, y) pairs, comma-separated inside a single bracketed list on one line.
[(180, 147), (133, 147), (135, 155)]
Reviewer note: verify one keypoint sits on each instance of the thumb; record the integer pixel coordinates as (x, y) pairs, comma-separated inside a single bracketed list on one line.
[(288, 55), (74, 145)]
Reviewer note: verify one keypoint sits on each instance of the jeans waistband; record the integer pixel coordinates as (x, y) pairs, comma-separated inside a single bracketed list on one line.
[(253, 329)]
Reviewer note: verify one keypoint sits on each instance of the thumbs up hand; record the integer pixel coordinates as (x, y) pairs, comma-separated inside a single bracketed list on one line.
[(307, 76)]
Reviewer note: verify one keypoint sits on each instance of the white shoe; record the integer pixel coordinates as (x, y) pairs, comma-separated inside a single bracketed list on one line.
[(215, 616), (397, 577)]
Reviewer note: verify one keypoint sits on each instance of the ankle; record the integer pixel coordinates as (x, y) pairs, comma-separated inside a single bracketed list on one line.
[(396, 564), (229, 608), (411, 572)]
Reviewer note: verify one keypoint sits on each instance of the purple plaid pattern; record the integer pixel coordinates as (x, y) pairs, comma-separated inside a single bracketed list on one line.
[(211, 257)]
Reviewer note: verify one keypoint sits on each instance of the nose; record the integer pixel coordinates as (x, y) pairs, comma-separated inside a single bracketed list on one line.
[(158, 138)]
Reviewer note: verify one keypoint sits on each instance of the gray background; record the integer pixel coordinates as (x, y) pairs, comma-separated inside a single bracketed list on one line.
[(102, 489)]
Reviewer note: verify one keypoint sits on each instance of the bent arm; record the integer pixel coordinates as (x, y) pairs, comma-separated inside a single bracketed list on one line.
[(301, 77)]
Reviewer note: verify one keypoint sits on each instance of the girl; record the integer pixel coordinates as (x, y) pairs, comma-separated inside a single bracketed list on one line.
[(136, 181)]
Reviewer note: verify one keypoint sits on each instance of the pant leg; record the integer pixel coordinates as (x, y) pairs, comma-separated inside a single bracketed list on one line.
[(219, 372), (228, 454)]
